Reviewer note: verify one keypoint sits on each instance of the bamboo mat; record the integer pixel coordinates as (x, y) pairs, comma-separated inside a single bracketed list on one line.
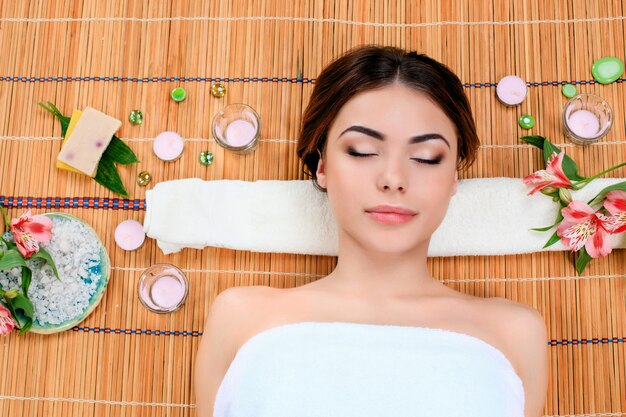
[(124, 360)]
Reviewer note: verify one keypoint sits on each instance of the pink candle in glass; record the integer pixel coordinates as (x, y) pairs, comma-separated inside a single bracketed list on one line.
[(240, 132), (167, 291), (584, 123)]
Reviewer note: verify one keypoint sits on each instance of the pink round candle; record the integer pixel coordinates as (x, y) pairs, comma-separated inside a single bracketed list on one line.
[(129, 235), (240, 132), (584, 123), (167, 291), (168, 146), (511, 90)]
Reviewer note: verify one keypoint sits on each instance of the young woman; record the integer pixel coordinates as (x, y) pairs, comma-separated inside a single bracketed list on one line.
[(384, 135)]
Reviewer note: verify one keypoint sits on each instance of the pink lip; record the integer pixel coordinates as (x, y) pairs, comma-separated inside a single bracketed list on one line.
[(390, 214)]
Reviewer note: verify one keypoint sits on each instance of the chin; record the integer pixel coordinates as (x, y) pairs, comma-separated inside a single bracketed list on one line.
[(393, 245)]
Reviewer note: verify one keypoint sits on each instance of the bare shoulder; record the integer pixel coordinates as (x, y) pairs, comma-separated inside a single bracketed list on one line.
[(226, 323), (524, 330), (232, 308)]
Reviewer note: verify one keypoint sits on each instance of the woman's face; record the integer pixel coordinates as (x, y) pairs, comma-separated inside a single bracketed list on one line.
[(411, 155)]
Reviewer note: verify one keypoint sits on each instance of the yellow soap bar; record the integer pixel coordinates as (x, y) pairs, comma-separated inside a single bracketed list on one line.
[(91, 136), (70, 128)]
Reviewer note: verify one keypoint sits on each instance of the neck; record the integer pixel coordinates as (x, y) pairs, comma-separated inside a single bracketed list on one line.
[(375, 274)]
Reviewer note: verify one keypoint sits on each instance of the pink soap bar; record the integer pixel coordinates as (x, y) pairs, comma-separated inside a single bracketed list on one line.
[(168, 146), (129, 235)]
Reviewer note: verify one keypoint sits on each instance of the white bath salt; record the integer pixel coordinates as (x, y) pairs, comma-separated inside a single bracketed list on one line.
[(75, 250)]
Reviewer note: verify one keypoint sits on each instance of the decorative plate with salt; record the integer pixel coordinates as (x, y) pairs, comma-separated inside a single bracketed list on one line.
[(84, 268)]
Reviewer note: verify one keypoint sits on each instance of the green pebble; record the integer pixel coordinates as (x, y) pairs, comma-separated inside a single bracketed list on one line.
[(135, 117), (178, 94), (526, 121), (206, 158), (569, 90), (608, 69)]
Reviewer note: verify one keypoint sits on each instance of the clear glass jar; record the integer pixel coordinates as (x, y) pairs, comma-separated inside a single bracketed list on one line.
[(163, 288), (237, 127), (587, 118)]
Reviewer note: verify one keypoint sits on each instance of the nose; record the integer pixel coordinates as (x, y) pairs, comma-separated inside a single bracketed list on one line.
[(393, 175)]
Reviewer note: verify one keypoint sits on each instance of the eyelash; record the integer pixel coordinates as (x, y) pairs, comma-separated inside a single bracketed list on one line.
[(423, 161)]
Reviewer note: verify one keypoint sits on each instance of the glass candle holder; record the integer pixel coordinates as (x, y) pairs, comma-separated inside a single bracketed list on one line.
[(163, 288), (587, 118), (237, 127)]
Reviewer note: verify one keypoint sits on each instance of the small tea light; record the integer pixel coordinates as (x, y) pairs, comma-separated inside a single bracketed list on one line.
[(168, 146), (511, 90), (129, 235), (163, 288), (237, 128), (587, 118)]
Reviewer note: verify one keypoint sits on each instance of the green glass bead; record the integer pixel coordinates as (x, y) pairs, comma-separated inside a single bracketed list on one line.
[(178, 94), (206, 158), (144, 178), (526, 121), (569, 90), (608, 69), (135, 117), (218, 90)]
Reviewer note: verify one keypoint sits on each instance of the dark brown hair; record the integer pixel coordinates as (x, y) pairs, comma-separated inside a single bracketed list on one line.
[(369, 67)]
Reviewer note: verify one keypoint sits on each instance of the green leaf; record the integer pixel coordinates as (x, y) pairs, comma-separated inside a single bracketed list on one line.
[(5, 216), (11, 259), (22, 311), (602, 193), (120, 152), (553, 239), (583, 260), (569, 166), (27, 274), (548, 149), (542, 229), (65, 121), (108, 177), (43, 254), (534, 140)]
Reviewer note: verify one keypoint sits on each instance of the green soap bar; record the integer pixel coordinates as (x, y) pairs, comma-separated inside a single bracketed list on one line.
[(608, 69), (569, 90), (526, 121)]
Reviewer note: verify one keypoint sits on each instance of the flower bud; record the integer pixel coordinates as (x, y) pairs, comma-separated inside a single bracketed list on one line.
[(549, 190), (565, 196), (11, 294)]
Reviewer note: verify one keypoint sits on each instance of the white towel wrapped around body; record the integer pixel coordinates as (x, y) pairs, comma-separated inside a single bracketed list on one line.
[(333, 369), (487, 216)]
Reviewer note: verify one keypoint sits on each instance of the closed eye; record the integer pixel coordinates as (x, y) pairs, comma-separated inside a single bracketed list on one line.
[(359, 155), (423, 161), (428, 161)]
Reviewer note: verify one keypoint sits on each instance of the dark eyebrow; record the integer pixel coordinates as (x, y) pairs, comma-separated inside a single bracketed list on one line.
[(379, 136)]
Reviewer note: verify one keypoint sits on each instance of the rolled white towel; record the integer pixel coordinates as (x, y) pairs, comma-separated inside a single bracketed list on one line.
[(487, 216)]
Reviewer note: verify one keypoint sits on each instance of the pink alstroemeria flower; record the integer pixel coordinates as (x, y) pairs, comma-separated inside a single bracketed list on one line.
[(7, 324), (615, 203), (582, 226), (29, 231), (552, 176)]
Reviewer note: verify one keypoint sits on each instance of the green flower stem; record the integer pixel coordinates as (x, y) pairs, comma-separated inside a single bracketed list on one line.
[(580, 184), (5, 216)]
